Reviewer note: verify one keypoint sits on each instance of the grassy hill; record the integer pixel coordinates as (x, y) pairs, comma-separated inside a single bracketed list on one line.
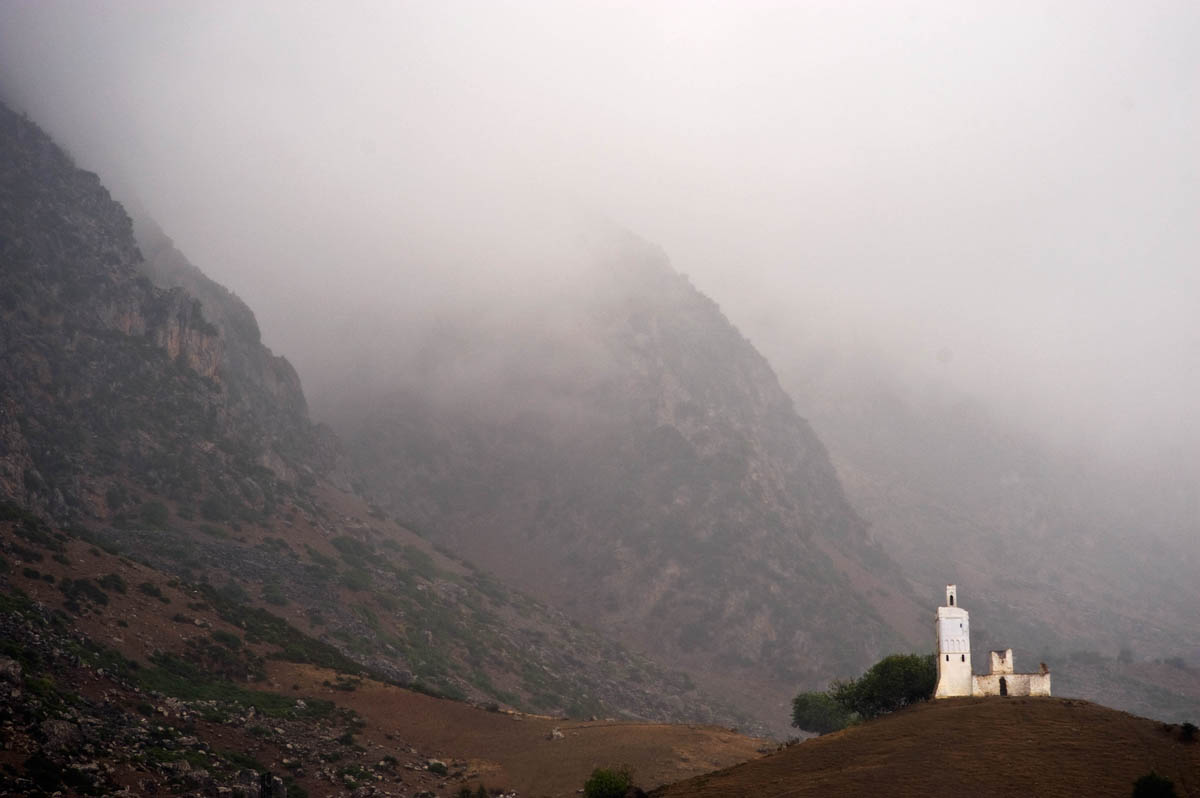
[(973, 746)]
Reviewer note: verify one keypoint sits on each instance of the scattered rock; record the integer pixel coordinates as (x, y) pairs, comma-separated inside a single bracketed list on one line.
[(60, 735), (10, 669)]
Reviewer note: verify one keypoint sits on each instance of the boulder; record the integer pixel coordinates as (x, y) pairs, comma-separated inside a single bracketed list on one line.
[(10, 669)]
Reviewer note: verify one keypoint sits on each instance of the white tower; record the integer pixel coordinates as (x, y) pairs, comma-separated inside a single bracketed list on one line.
[(954, 648)]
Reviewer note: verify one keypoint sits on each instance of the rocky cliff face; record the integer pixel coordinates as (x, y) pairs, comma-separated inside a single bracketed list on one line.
[(111, 383), (140, 410), (628, 455), (262, 388)]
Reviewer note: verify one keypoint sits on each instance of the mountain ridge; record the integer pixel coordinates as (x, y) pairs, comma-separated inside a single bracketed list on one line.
[(634, 460)]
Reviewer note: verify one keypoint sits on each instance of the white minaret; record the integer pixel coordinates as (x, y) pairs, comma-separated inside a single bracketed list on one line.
[(954, 648)]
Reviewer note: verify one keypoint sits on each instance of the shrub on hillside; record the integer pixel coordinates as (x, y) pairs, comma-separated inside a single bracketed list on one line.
[(819, 712), (151, 589), (608, 783), (894, 682), (1153, 785), (154, 514), (890, 684), (114, 582), (272, 593)]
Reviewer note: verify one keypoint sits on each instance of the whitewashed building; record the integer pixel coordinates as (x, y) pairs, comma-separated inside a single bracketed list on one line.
[(954, 660)]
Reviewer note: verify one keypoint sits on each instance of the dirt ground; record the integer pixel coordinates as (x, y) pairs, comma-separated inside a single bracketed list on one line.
[(522, 752), (981, 747)]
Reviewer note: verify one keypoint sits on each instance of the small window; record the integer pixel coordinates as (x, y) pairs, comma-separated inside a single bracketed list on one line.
[(964, 657), (947, 658), (951, 599)]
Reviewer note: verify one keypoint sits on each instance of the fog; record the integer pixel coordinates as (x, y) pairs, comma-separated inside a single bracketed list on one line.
[(996, 200)]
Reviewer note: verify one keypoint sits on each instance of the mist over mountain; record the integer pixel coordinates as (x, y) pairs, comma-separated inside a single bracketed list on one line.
[(1082, 557), (539, 266), (143, 417), (620, 450), (109, 380), (905, 174)]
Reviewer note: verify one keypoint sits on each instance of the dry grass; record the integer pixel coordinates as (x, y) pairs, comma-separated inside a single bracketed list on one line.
[(516, 751), (978, 747)]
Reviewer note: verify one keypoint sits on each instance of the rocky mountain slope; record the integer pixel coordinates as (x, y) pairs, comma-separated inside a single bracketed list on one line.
[(137, 421), (620, 450), (982, 747), (110, 382), (116, 675)]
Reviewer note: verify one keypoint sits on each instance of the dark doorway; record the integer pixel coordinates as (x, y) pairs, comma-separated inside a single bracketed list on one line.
[(951, 599), (1003, 686)]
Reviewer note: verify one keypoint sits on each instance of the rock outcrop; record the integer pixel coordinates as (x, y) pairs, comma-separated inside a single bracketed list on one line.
[(112, 383)]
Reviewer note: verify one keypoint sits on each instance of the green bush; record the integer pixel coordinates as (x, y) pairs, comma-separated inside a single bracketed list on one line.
[(215, 508), (357, 579), (227, 639), (467, 792), (114, 582), (819, 713), (608, 783), (354, 552), (151, 589), (890, 684), (154, 514), (273, 594), (1153, 785), (421, 562), (83, 589)]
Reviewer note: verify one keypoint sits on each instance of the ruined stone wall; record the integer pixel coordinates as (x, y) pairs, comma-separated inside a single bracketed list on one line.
[(1017, 684), (1002, 661)]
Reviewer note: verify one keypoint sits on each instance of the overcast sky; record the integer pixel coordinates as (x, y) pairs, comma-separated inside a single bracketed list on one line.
[(1015, 186)]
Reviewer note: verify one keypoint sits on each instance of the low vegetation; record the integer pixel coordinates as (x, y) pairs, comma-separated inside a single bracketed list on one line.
[(819, 712), (1153, 785), (608, 783), (890, 684)]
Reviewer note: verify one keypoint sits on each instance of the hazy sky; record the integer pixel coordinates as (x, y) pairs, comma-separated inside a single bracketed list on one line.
[(1015, 185)]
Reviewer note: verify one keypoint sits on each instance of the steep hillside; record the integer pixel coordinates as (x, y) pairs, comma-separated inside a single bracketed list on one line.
[(109, 382), (1038, 747), (139, 422), (118, 675), (259, 385), (620, 450)]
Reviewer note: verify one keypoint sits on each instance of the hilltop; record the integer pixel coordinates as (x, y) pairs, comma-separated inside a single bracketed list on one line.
[(1088, 563), (1038, 747)]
